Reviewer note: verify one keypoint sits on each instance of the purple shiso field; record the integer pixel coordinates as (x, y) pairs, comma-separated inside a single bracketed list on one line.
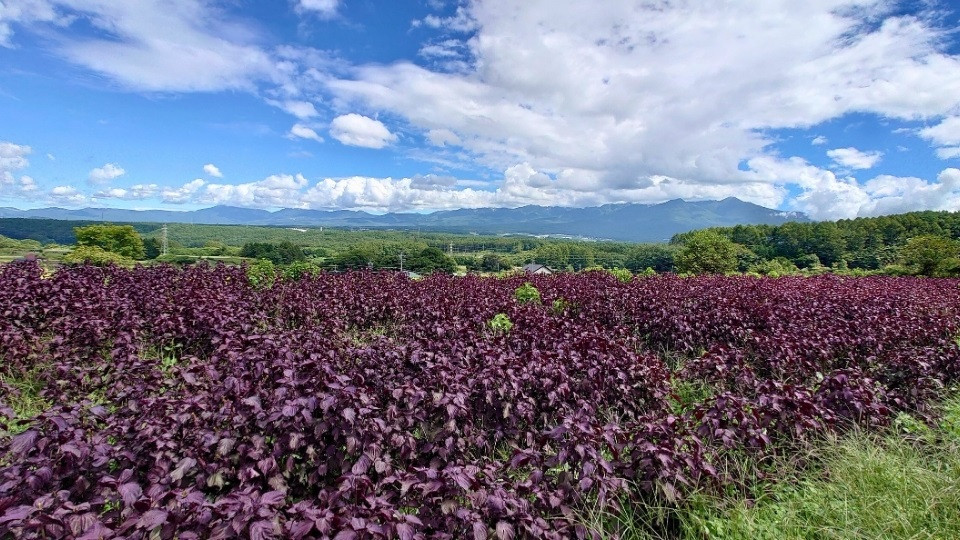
[(187, 403)]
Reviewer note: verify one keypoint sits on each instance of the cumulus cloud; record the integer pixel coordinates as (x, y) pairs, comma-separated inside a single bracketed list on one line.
[(825, 196), (819, 140), (852, 158), (442, 137), (301, 109), (182, 194), (278, 190), (300, 131), (627, 100), (945, 135), (579, 103), (322, 8), (67, 196), (102, 175), (948, 152), (358, 130), (13, 157), (212, 170), (137, 192), (432, 182)]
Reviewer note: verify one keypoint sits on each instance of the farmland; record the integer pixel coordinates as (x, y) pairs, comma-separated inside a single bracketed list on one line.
[(186, 402)]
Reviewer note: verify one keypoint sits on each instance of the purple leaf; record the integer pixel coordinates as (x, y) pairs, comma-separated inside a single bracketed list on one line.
[(405, 531), (24, 442), (272, 498), (130, 492), (504, 531), (261, 530), (18, 513), (151, 519)]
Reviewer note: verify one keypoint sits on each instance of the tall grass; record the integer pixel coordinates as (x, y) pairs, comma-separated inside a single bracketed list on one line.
[(901, 484), (20, 391)]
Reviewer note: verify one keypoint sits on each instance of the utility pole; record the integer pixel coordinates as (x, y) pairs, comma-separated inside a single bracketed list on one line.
[(163, 240)]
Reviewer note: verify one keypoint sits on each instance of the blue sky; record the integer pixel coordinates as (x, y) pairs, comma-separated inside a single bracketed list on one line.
[(834, 108)]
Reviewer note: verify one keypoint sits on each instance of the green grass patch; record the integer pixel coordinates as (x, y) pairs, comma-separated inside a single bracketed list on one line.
[(24, 398), (904, 483)]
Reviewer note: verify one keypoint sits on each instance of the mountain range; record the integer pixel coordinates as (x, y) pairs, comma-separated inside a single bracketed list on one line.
[(623, 222)]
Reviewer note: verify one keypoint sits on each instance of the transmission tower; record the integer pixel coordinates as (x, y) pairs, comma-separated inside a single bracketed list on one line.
[(163, 240)]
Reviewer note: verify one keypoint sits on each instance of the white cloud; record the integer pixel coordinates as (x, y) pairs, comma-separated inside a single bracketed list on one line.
[(274, 191), (182, 194), (212, 170), (610, 101), (67, 195), (13, 157), (102, 175), (946, 133), (301, 109), (153, 45), (819, 140), (278, 190), (135, 192), (443, 137), (461, 21), (893, 195), (825, 196), (358, 130), (948, 152), (852, 158), (20, 12), (300, 131), (946, 136), (612, 95), (322, 8)]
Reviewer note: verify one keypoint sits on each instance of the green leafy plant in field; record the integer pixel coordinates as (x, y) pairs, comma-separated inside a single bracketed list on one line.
[(500, 323), (262, 274), (23, 395), (300, 269), (96, 256), (686, 395), (527, 293), (621, 274), (560, 305)]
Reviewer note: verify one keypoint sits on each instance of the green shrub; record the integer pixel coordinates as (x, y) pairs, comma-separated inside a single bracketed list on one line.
[(621, 274), (896, 270), (559, 306), (300, 269), (96, 256), (123, 240), (527, 293), (177, 259), (262, 273), (707, 252), (500, 323)]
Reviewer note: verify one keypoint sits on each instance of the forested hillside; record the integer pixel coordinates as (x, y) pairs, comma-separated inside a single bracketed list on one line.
[(866, 243)]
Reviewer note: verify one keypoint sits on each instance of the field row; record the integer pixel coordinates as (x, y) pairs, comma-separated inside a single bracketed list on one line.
[(188, 403)]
